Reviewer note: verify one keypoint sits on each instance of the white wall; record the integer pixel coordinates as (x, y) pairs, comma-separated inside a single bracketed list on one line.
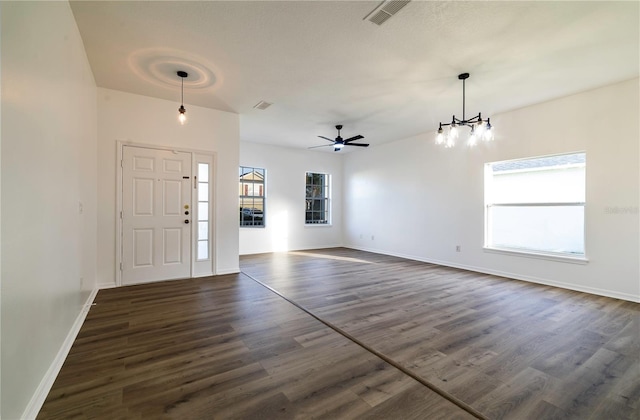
[(419, 201), (48, 169), (285, 204), (149, 121)]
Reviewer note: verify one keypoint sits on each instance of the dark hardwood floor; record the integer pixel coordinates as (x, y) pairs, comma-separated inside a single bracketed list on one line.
[(227, 347), (510, 349)]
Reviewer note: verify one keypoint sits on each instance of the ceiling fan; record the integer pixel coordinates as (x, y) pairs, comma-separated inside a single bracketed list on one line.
[(339, 143)]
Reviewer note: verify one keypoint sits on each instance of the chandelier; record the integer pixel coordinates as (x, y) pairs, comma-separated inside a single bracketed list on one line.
[(480, 129)]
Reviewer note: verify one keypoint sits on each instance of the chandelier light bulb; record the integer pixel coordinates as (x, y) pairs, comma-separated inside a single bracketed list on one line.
[(473, 140), (440, 136), (450, 142), (488, 132), (453, 132)]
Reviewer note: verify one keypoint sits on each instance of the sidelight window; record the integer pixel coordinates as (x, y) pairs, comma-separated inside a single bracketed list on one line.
[(202, 252)]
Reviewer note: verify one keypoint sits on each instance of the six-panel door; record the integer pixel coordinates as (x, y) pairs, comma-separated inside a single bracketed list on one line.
[(156, 216)]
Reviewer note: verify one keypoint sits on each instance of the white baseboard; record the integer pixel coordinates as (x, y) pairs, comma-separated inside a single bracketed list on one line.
[(516, 276), (35, 404), (200, 275)]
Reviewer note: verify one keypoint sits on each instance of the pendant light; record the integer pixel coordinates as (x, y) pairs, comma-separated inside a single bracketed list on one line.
[(182, 111)]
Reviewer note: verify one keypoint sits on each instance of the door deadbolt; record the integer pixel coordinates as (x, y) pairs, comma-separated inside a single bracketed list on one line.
[(186, 221), (186, 212)]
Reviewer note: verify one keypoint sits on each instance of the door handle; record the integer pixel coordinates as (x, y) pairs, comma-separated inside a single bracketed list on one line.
[(186, 221)]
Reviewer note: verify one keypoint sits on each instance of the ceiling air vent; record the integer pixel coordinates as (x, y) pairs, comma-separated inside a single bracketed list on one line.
[(262, 105), (385, 10)]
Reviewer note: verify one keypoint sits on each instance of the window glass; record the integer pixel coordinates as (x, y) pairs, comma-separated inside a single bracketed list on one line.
[(203, 211), (202, 252), (537, 204), (252, 196), (317, 198), (203, 230), (203, 192)]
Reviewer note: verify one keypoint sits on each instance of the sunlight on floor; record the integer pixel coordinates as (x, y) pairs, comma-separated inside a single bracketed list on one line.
[(330, 257)]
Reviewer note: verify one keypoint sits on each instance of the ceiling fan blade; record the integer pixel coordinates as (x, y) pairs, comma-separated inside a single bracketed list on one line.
[(323, 137), (323, 145), (358, 137), (357, 144)]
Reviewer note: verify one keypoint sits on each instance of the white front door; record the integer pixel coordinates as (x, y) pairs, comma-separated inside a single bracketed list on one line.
[(156, 215)]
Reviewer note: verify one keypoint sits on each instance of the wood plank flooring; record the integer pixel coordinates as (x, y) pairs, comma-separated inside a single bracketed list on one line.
[(227, 347), (510, 349)]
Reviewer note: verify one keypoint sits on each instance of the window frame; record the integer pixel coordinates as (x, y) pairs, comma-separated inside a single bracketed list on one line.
[(531, 252), (246, 170), (326, 186)]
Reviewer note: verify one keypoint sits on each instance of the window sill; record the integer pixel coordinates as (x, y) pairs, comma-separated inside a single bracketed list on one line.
[(314, 225), (538, 255)]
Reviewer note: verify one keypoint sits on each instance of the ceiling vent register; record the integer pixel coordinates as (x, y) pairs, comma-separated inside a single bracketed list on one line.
[(385, 10), (262, 105)]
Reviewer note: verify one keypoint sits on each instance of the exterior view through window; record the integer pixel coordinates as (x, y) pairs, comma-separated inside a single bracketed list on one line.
[(317, 199), (536, 205), (252, 196)]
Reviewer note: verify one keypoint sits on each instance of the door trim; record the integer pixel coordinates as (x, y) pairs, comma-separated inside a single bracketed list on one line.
[(120, 144)]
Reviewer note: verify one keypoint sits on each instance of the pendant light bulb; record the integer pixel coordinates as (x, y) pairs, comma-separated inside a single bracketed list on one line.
[(182, 115), (182, 111)]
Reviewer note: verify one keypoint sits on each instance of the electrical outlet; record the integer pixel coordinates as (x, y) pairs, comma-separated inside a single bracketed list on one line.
[(458, 248)]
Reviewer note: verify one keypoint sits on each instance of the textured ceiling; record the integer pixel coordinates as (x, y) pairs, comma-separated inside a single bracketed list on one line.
[(320, 63)]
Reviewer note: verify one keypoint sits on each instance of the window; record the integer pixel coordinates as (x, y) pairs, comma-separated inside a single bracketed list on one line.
[(203, 212), (252, 196), (317, 199), (536, 205)]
